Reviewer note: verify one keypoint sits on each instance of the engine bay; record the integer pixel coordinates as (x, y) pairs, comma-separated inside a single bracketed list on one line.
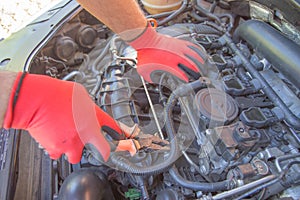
[(231, 134)]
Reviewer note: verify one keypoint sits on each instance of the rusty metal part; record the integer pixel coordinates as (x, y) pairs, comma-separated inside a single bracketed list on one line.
[(130, 132), (151, 142), (145, 140), (131, 145)]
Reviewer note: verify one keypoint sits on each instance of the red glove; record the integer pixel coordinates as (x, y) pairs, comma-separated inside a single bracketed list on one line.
[(157, 53), (60, 116)]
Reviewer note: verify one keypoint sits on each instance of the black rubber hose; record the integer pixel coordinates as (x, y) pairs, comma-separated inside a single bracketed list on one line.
[(208, 16), (174, 14), (197, 186), (160, 15), (206, 13), (213, 6), (230, 18), (290, 117), (194, 15), (124, 164), (143, 187)]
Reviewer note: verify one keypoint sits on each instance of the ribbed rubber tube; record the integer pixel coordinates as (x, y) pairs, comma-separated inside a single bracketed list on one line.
[(124, 164)]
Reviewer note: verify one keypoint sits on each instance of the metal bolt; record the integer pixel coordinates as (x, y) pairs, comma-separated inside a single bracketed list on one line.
[(203, 169), (260, 155)]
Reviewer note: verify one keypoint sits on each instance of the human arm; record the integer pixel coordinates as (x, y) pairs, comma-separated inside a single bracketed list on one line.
[(6, 83), (123, 17)]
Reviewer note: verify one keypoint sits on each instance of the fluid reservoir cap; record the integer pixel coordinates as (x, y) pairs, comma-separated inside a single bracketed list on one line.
[(160, 6), (216, 105)]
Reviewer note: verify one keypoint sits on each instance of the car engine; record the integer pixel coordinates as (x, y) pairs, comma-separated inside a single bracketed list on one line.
[(231, 134)]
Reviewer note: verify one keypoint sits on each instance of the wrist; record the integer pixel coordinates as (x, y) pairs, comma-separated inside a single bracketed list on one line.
[(132, 34), (6, 84), (146, 38)]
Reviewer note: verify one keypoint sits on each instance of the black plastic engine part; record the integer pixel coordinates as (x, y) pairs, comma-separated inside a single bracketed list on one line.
[(231, 141), (167, 194), (216, 106), (234, 86), (261, 117), (252, 101), (243, 171), (283, 90), (289, 8), (290, 117), (115, 95), (86, 184)]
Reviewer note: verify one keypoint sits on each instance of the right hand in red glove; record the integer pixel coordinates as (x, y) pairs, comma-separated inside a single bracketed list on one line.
[(60, 116), (162, 53)]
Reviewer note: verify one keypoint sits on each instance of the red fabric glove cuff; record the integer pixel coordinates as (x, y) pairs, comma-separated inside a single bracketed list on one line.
[(145, 39)]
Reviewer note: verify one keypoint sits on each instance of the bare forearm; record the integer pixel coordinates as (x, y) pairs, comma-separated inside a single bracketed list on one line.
[(124, 17), (7, 80)]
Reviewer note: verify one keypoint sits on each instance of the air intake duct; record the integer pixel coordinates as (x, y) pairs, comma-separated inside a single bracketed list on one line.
[(281, 52)]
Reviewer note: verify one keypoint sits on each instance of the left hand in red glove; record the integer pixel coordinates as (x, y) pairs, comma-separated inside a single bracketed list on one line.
[(61, 116), (161, 53)]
